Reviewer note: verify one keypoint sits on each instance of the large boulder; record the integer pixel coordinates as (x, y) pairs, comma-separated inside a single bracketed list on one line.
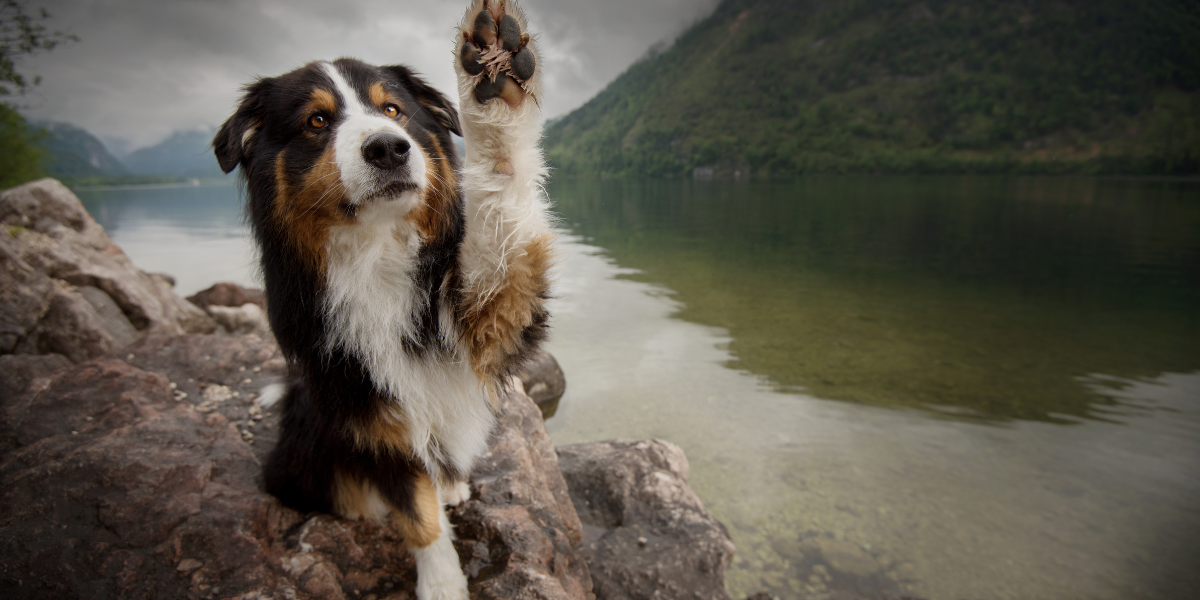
[(133, 478), (237, 310), (228, 294), (646, 533), (65, 288), (544, 381)]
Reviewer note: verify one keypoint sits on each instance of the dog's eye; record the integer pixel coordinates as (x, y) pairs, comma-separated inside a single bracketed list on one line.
[(317, 121), (391, 110)]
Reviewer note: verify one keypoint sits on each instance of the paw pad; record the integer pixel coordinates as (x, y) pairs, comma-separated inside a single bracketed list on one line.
[(496, 52)]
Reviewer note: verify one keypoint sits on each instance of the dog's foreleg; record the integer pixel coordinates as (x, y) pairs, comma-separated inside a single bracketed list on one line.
[(439, 576), (508, 245), (430, 538)]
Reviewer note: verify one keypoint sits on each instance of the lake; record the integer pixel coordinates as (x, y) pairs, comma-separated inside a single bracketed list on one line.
[(953, 387)]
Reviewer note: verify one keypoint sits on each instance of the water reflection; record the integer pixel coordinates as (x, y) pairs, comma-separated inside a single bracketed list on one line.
[(194, 233), (884, 499), (986, 297)]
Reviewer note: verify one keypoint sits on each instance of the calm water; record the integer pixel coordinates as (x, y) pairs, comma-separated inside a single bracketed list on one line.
[(195, 233), (953, 387)]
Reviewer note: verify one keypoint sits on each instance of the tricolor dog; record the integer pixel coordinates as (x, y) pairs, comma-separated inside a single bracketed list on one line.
[(404, 285)]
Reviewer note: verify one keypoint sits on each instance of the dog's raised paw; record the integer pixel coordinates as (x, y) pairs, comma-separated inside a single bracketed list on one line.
[(496, 52)]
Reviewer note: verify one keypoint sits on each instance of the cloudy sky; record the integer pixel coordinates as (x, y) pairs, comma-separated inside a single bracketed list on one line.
[(146, 68)]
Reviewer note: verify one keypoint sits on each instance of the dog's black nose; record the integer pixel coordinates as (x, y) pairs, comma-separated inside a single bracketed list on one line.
[(385, 150)]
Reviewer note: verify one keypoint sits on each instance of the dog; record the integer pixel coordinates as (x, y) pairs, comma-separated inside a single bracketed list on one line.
[(404, 285)]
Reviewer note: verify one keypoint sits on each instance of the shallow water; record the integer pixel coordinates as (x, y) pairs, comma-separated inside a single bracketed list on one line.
[(963, 388), (958, 388)]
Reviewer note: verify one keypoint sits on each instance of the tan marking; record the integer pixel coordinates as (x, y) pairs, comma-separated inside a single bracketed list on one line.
[(351, 496), (431, 214), (492, 327), (424, 527), (380, 96), (308, 208), (321, 100), (383, 434), (352, 500)]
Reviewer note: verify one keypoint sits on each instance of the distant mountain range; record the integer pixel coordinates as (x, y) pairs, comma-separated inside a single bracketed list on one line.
[(184, 154), (74, 154), (71, 152), (770, 87)]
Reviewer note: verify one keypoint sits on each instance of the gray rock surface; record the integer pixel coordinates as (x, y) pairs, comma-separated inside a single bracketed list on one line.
[(646, 533), (17, 371), (53, 251), (115, 484), (228, 294), (520, 515), (544, 381), (237, 310), (24, 293)]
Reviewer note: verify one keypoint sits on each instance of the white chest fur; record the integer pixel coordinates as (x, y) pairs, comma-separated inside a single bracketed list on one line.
[(372, 304)]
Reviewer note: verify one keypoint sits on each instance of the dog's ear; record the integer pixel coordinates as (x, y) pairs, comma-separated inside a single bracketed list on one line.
[(433, 101), (237, 133)]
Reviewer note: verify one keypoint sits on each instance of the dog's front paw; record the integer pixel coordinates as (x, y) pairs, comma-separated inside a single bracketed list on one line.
[(454, 494), (496, 55), (452, 588)]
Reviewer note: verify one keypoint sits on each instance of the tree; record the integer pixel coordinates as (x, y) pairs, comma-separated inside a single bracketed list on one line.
[(21, 35)]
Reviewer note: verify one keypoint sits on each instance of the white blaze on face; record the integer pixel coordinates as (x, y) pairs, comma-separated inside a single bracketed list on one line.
[(355, 124)]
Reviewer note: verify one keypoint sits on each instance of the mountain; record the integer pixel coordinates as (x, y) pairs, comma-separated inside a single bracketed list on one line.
[(776, 87), (72, 151), (183, 154)]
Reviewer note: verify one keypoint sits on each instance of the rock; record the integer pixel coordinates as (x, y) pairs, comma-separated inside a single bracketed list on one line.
[(544, 381), (24, 292), (110, 316), (228, 294), (241, 320), (520, 515), (237, 310), (51, 236), (112, 485), (847, 558), (79, 323), (18, 371), (236, 365), (626, 490)]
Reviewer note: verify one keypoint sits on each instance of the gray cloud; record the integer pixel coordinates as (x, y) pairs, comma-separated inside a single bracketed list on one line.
[(145, 68)]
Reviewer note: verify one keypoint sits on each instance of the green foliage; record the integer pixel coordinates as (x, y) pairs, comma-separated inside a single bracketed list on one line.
[(20, 154), (23, 35), (786, 87)]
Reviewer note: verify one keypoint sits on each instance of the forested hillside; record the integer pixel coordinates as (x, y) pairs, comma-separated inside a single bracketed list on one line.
[(776, 87)]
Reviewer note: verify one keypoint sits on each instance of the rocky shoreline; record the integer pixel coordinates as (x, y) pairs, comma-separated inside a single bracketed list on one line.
[(131, 439)]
